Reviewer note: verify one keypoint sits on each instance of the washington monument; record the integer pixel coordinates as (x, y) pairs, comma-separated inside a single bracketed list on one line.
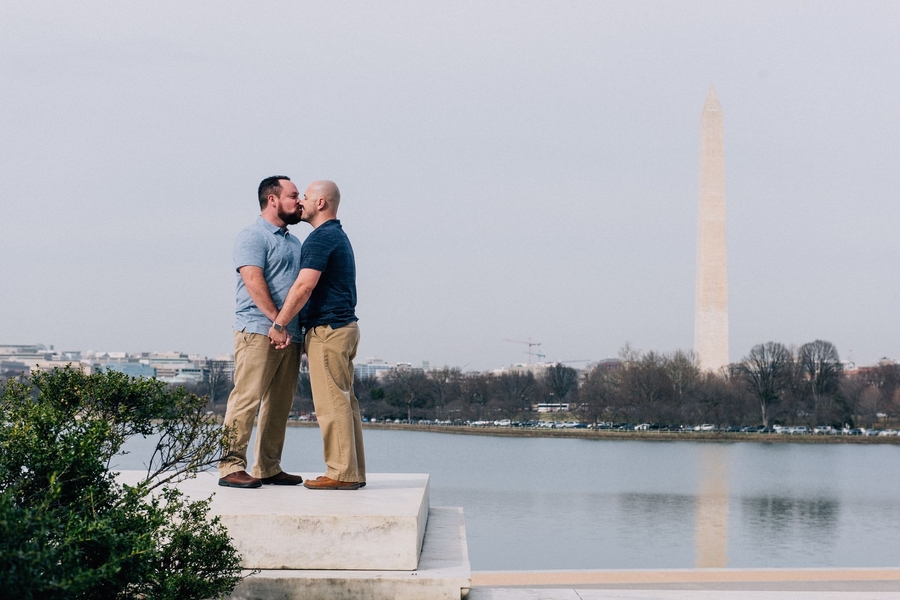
[(711, 303)]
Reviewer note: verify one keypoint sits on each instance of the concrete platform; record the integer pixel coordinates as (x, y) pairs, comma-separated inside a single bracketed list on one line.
[(443, 572), (380, 527)]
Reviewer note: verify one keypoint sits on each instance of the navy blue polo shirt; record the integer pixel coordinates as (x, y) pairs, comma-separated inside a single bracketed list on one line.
[(333, 300)]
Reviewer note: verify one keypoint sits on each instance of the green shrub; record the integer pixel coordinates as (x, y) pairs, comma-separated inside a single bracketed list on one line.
[(68, 529)]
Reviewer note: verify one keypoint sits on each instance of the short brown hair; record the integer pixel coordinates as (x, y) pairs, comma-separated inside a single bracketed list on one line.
[(270, 185)]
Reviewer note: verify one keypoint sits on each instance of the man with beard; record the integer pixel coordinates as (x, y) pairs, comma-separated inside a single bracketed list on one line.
[(267, 260)]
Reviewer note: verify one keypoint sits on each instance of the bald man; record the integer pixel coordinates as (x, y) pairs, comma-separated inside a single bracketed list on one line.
[(326, 291)]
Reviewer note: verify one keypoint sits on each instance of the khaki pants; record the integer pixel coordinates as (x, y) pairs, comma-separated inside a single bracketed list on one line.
[(331, 353), (265, 379)]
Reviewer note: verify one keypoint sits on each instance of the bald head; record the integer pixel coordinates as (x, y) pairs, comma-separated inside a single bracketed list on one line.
[(320, 202), (328, 190)]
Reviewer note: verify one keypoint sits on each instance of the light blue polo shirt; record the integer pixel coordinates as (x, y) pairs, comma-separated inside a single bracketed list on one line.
[(277, 253)]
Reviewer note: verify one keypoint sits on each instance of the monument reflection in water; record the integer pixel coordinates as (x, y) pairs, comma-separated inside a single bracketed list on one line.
[(543, 503), (711, 524)]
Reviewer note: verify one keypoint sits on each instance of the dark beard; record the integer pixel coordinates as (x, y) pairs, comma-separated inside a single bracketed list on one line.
[(291, 218)]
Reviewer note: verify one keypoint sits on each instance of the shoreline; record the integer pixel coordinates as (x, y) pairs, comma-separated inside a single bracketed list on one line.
[(644, 436)]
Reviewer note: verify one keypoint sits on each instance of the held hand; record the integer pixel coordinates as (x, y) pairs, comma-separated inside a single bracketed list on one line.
[(285, 344), (279, 339)]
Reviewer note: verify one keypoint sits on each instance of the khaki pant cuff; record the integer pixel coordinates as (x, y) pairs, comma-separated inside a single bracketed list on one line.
[(346, 477), (267, 473), (226, 471)]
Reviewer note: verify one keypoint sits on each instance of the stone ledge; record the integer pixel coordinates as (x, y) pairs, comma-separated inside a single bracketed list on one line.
[(379, 527), (443, 573)]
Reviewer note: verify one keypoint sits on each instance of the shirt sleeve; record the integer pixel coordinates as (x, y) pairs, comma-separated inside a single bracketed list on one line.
[(249, 250), (315, 253)]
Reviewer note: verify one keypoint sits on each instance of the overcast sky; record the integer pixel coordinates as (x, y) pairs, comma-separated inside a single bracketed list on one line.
[(509, 170)]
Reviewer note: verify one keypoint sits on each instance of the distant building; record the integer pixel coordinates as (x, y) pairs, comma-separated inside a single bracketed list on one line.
[(12, 368), (609, 364), (536, 369), (169, 367), (132, 369), (37, 357), (223, 363), (372, 367)]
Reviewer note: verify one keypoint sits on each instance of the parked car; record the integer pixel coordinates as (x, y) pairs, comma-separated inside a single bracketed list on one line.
[(824, 430)]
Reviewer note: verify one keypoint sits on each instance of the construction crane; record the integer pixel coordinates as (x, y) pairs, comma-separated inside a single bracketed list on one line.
[(530, 345)]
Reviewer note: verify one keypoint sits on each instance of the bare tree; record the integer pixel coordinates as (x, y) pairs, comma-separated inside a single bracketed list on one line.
[(371, 396), (821, 367), (476, 392), (766, 373), (684, 372), (218, 381), (721, 400), (648, 386), (598, 394), (409, 388), (871, 402), (515, 390), (304, 387), (884, 379), (303, 402), (851, 392), (445, 386), (561, 380)]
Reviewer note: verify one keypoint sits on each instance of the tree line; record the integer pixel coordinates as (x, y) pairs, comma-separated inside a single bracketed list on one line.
[(772, 384)]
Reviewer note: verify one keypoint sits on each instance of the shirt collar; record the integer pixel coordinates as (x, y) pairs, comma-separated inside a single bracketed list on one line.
[(273, 229)]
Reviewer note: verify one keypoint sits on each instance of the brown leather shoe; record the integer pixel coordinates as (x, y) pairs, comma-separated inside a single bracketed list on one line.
[(282, 479), (240, 479), (327, 483)]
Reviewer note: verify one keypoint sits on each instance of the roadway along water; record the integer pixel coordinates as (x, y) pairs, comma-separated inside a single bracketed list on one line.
[(547, 503)]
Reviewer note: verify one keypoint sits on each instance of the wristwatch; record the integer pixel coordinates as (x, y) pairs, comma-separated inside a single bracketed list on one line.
[(277, 327)]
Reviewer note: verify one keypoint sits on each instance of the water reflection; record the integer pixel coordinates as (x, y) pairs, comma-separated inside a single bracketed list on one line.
[(711, 516), (779, 514), (538, 503), (654, 515), (782, 523)]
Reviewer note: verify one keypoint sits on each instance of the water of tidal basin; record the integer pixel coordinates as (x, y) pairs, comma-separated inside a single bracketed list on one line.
[(549, 503)]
